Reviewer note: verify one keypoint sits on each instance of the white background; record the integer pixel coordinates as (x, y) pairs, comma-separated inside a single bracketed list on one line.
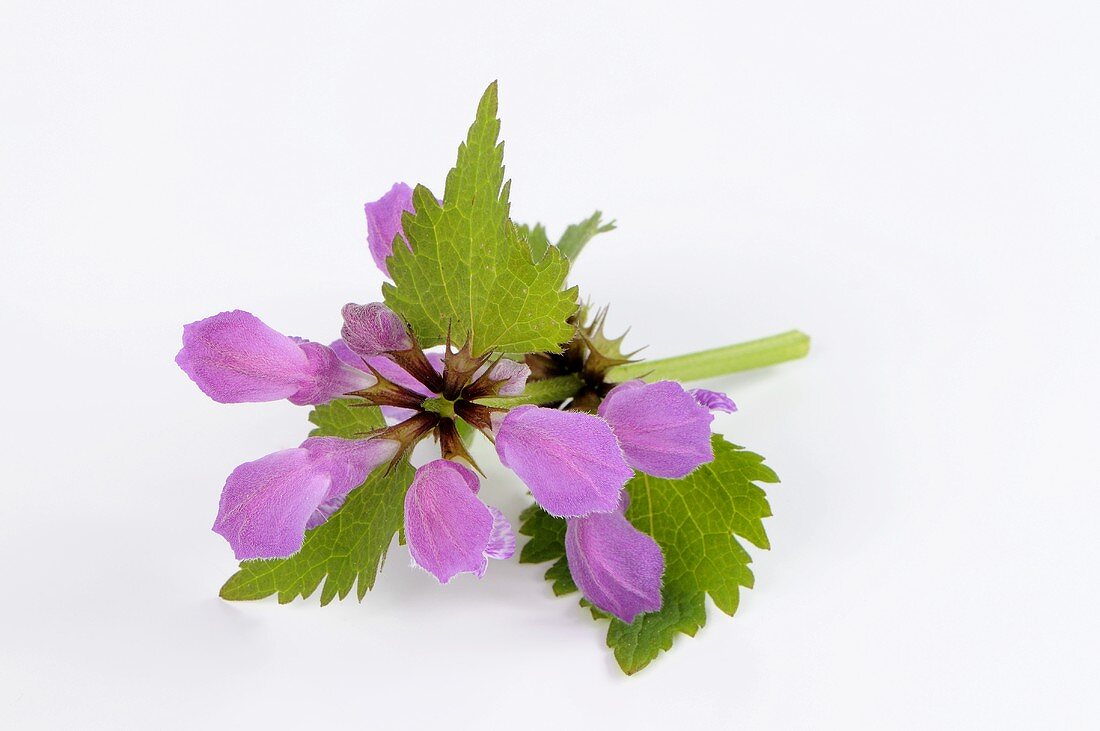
[(914, 184)]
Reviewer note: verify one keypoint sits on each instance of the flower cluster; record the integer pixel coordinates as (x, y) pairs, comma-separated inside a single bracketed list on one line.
[(574, 456)]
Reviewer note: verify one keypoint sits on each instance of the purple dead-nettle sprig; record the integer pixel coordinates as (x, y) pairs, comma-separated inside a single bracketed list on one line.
[(574, 463), (640, 504)]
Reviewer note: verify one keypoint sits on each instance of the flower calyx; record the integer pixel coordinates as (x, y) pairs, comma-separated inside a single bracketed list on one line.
[(452, 384), (591, 354)]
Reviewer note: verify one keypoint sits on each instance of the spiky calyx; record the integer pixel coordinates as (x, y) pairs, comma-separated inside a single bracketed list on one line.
[(590, 355)]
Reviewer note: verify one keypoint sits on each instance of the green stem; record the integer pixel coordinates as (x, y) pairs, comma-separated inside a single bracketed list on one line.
[(691, 367), (548, 391), (718, 361)]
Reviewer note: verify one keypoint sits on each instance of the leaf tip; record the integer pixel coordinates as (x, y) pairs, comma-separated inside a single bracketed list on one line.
[(488, 104)]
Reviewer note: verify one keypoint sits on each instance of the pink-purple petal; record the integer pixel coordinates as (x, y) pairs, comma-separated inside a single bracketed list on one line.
[(386, 367), (325, 511), (233, 357), (373, 329), (395, 373), (617, 567), (447, 528), (328, 376), (348, 462), (502, 541), (570, 461), (268, 504), (346, 354), (384, 222), (390, 371), (713, 400), (661, 428), (513, 373)]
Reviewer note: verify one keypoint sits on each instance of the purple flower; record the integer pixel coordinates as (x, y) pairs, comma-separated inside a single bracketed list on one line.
[(616, 566), (267, 505), (448, 529), (391, 371), (575, 464), (569, 460), (233, 357), (662, 429), (513, 373), (713, 400), (384, 222), (373, 329)]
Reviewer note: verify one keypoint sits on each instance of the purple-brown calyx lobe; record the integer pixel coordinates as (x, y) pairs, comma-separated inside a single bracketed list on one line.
[(442, 388)]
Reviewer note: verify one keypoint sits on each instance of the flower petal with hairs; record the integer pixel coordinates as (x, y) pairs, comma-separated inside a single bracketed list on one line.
[(329, 378), (267, 505), (384, 222), (713, 400), (513, 373), (233, 357), (502, 541), (616, 566), (569, 460), (448, 529), (390, 371), (373, 329), (661, 428)]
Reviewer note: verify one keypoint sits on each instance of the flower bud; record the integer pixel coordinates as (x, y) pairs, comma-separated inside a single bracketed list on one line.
[(373, 329)]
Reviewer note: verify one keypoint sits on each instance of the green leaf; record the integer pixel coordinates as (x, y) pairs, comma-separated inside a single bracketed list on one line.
[(347, 418), (579, 234), (571, 242), (695, 521), (536, 239), (547, 544), (469, 270), (350, 547)]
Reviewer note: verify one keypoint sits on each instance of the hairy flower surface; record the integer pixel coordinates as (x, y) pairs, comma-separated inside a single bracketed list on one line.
[(384, 223), (449, 530), (616, 566), (713, 400), (373, 329), (268, 504), (663, 431), (234, 357), (569, 460)]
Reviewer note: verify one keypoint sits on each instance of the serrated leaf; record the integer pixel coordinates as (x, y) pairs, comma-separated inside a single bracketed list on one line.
[(579, 234), (347, 418), (561, 581), (469, 270), (547, 544), (571, 242), (536, 239), (349, 548), (547, 535), (695, 521)]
